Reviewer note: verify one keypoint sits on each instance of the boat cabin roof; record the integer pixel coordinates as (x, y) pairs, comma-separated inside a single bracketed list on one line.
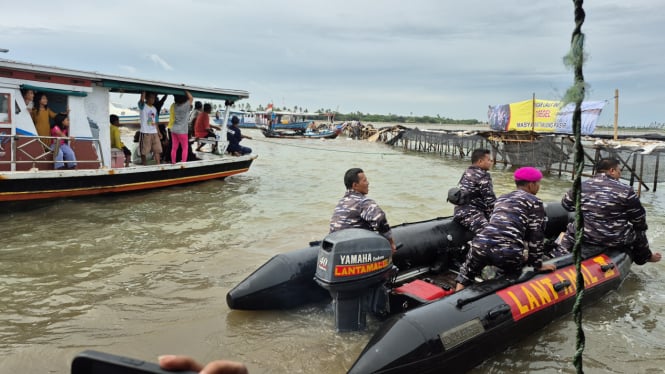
[(79, 78)]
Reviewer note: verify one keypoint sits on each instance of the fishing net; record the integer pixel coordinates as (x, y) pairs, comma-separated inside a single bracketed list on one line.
[(551, 153)]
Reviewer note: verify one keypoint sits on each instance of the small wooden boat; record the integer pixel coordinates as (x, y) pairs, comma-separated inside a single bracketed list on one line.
[(301, 134), (247, 120), (127, 116), (427, 327), (27, 160), (285, 120)]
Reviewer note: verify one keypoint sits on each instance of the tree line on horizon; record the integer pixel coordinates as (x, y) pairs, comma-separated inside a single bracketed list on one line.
[(396, 118), (367, 117)]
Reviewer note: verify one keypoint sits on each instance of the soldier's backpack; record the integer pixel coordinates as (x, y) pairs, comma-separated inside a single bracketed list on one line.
[(457, 196)]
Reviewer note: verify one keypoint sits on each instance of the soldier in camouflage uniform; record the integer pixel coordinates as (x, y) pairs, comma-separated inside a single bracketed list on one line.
[(477, 183), (356, 210), (613, 216), (514, 235)]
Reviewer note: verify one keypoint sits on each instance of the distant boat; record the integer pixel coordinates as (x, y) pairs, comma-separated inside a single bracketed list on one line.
[(297, 125), (283, 120), (326, 133), (311, 131), (300, 125), (127, 116), (247, 119), (27, 161)]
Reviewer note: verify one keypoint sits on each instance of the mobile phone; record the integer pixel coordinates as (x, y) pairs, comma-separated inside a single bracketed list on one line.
[(94, 362)]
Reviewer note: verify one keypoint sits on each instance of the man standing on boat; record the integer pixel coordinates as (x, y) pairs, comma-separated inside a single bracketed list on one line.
[(356, 210), (149, 139), (613, 216), (476, 183), (514, 235)]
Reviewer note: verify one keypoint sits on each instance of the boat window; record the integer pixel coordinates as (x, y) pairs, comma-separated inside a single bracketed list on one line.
[(4, 108), (57, 102)]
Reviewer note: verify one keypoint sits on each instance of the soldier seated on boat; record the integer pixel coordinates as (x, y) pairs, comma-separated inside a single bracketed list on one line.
[(356, 210), (514, 235), (476, 182), (613, 216)]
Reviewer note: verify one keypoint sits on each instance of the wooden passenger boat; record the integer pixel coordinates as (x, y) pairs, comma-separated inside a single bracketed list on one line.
[(27, 161)]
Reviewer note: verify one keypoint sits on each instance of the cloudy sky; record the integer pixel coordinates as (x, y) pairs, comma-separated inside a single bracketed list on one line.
[(420, 57)]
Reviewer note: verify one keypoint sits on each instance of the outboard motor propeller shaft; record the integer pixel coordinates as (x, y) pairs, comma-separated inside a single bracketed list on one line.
[(354, 265)]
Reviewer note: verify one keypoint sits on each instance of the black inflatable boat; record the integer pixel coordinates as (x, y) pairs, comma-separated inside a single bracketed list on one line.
[(428, 328)]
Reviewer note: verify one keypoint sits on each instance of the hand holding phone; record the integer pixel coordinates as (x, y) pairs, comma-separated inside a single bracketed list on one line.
[(94, 362), (171, 362)]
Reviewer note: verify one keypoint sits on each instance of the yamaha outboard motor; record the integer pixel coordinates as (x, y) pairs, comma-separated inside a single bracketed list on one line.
[(354, 266)]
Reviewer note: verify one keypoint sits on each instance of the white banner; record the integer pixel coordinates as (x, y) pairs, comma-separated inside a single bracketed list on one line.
[(590, 113)]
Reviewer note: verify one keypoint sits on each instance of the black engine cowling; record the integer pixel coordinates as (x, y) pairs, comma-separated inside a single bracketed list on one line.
[(354, 266)]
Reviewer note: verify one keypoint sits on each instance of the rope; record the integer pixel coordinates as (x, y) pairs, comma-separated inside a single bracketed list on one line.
[(575, 59), (327, 149)]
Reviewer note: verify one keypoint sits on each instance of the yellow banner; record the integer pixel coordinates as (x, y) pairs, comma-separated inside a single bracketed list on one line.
[(525, 116), (543, 116)]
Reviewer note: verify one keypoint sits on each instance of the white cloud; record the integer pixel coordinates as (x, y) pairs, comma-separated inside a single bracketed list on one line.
[(426, 56), (128, 69), (160, 61)]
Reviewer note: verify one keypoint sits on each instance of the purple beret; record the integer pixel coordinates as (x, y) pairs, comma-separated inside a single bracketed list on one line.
[(528, 174)]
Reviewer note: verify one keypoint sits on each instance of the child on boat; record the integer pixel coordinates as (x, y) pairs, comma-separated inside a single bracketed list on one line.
[(150, 139), (116, 142), (60, 146)]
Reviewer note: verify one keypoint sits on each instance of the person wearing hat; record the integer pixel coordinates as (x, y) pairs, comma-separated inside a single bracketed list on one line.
[(514, 235), (613, 216)]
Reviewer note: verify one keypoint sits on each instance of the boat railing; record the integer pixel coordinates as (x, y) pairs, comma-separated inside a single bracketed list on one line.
[(36, 150)]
